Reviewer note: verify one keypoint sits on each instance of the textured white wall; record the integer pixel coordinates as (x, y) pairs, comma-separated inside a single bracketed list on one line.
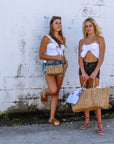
[(23, 23)]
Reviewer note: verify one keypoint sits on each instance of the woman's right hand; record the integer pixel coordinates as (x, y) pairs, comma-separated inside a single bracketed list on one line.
[(85, 76), (59, 57)]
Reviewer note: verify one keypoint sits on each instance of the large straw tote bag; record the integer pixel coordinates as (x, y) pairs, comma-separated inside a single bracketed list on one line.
[(92, 99)]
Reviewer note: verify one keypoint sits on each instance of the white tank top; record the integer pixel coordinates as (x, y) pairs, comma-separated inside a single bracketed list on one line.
[(53, 48), (93, 48)]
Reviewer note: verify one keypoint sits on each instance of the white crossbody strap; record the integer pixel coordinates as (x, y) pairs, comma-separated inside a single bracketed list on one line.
[(53, 41)]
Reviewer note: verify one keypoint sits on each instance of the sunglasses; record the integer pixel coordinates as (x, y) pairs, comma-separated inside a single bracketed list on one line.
[(56, 17)]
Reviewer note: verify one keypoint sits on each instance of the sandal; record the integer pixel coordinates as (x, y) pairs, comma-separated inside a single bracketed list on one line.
[(54, 121), (43, 97), (100, 130), (84, 126)]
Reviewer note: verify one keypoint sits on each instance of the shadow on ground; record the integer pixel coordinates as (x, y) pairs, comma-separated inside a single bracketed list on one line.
[(41, 117)]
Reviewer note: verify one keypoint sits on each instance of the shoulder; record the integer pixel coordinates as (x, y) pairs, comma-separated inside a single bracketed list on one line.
[(81, 42), (101, 41), (45, 39), (100, 38)]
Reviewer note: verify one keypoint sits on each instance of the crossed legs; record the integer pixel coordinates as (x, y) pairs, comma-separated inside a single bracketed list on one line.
[(54, 84)]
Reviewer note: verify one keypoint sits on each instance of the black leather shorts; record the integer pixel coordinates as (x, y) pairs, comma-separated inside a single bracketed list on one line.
[(89, 68)]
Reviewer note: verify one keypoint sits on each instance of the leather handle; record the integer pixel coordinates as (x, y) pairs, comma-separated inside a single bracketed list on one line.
[(85, 82)]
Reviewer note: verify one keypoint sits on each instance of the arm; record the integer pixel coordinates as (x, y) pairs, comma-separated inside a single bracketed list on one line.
[(66, 63), (42, 50), (101, 57), (80, 61)]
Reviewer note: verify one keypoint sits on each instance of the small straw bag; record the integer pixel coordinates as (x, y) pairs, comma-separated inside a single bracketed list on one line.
[(92, 99), (54, 69)]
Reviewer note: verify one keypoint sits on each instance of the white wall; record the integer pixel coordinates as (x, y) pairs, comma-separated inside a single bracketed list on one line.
[(23, 23)]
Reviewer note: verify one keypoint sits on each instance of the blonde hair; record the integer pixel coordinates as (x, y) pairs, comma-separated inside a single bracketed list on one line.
[(97, 29)]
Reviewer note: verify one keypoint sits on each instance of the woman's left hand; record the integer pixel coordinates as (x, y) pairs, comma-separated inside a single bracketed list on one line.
[(93, 75), (65, 68)]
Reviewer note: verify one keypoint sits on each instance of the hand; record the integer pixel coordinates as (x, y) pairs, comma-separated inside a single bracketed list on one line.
[(59, 57), (93, 75), (85, 76)]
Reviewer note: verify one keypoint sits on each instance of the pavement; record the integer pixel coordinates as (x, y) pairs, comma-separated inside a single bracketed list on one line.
[(66, 133)]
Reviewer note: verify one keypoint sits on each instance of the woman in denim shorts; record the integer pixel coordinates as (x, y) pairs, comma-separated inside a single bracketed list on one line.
[(52, 52), (91, 57)]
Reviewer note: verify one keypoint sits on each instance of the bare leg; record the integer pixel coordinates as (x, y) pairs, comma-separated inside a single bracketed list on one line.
[(52, 88), (97, 112), (98, 116), (99, 120), (86, 113), (54, 99), (54, 84)]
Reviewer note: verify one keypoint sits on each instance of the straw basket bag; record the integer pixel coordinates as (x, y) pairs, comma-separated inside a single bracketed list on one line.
[(54, 69), (92, 99)]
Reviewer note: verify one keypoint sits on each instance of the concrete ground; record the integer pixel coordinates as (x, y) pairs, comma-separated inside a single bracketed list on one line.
[(66, 133)]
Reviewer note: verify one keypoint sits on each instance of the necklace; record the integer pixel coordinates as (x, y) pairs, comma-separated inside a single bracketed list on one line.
[(90, 40)]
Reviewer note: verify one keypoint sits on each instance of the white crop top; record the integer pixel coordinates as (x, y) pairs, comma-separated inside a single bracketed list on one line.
[(53, 48), (93, 48)]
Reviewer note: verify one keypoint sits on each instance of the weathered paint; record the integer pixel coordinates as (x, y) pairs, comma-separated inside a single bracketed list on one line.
[(22, 26)]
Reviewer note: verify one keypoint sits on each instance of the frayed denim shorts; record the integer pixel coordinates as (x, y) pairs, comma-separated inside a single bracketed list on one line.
[(52, 62)]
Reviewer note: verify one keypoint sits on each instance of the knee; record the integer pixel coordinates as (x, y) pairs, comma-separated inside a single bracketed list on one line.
[(53, 91)]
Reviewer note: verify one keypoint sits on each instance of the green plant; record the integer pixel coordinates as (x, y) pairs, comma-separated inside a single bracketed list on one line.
[(15, 119), (107, 114), (19, 124), (5, 116), (113, 114), (35, 118)]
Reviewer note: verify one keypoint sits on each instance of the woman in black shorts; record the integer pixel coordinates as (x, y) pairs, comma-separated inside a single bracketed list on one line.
[(91, 57)]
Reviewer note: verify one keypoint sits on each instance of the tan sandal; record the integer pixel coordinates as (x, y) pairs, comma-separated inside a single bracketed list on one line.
[(100, 131), (54, 121), (43, 97), (84, 126)]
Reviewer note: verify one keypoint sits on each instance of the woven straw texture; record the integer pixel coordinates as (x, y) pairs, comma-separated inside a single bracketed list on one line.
[(92, 99), (54, 69)]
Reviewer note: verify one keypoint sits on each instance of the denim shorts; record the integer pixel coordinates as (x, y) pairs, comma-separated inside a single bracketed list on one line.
[(89, 68), (52, 62)]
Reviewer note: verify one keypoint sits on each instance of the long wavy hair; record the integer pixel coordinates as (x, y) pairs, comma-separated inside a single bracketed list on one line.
[(51, 31), (97, 29)]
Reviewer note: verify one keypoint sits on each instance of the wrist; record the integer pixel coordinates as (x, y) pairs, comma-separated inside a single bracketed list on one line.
[(83, 72)]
